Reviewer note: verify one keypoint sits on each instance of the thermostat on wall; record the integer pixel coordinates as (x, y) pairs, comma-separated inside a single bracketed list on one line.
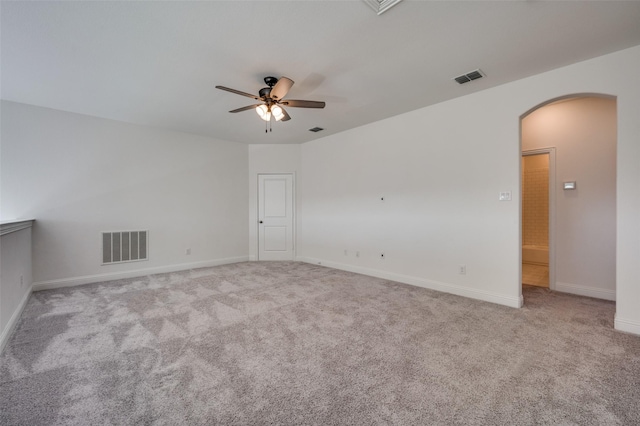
[(569, 185)]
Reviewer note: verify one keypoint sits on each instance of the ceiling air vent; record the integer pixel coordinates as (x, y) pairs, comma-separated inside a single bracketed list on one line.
[(381, 6), (472, 75), (316, 129)]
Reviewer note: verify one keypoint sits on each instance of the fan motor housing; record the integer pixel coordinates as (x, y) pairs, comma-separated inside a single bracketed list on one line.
[(270, 81), (265, 92)]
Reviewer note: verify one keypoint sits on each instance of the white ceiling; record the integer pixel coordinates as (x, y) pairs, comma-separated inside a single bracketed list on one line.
[(156, 63)]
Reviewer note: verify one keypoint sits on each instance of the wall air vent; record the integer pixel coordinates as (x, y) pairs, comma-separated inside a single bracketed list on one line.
[(124, 246), (316, 129), (470, 76)]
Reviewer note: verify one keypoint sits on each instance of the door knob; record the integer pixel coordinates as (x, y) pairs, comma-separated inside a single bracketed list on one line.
[(260, 222)]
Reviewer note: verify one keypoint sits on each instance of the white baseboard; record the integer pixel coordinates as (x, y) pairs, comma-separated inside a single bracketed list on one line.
[(581, 290), (88, 279), (514, 302), (6, 333), (626, 325)]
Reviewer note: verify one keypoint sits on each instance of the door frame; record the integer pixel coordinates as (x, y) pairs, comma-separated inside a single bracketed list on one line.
[(293, 211), (552, 211)]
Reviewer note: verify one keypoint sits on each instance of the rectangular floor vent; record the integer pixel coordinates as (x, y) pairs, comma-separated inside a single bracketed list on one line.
[(124, 246)]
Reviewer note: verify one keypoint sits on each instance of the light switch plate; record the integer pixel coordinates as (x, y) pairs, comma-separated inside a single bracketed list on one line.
[(505, 196)]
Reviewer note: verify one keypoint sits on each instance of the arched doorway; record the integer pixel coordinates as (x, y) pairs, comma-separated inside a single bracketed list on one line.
[(579, 230)]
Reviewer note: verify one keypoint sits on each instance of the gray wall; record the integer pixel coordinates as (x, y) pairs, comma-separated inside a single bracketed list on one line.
[(79, 176)]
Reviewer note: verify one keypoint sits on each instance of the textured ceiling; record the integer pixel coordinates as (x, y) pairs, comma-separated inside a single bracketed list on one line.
[(157, 63)]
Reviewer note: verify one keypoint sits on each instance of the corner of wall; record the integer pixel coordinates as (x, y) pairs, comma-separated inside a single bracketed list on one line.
[(13, 321), (627, 326)]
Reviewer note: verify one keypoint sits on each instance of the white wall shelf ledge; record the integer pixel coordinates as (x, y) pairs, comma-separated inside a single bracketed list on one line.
[(9, 226)]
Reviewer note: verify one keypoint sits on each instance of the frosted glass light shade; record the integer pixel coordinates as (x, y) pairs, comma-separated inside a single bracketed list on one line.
[(277, 112), (263, 112)]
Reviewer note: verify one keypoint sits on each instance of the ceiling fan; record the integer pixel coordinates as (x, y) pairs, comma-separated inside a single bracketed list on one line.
[(272, 98)]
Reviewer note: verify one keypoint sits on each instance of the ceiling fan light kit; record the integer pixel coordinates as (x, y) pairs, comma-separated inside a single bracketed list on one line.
[(263, 112), (273, 99), (277, 113)]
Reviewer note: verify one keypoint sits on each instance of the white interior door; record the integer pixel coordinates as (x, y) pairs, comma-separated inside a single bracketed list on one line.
[(275, 217)]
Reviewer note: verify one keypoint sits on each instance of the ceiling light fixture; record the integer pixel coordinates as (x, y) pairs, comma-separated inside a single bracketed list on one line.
[(273, 96), (277, 113), (264, 112), (267, 111)]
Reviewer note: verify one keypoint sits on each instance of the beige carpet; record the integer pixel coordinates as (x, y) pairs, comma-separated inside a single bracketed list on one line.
[(297, 344)]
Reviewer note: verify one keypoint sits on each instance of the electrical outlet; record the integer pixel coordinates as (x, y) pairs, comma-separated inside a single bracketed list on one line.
[(21, 281), (462, 269), (187, 252), (346, 253), (357, 254)]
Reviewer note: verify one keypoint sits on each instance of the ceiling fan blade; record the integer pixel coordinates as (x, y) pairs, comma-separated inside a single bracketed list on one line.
[(238, 92), (286, 115), (245, 108), (281, 88), (303, 104)]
